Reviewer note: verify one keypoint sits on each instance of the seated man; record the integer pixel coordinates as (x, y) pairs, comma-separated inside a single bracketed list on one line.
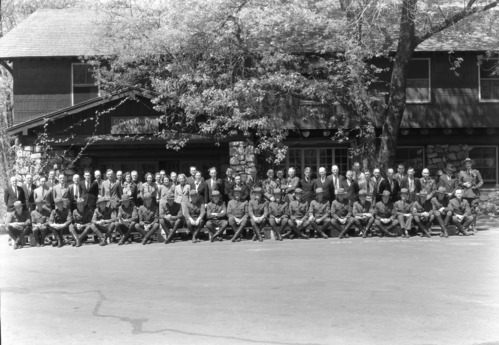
[(440, 204), (128, 217), (170, 217), (384, 215), (103, 220), (59, 220), (362, 213), (148, 218), (319, 213), (39, 217), (258, 209), (461, 213), (278, 213), (298, 214), (403, 211), (216, 214), (341, 213), (422, 212), (82, 218), (237, 211), (193, 213), (18, 224)]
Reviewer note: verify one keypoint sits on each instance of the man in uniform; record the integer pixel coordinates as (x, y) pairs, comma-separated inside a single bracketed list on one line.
[(148, 218), (60, 220), (384, 215), (193, 213), (216, 215), (128, 217), (82, 222), (298, 214), (39, 217), (341, 213), (423, 214), (440, 206), (170, 217), (445, 180), (461, 213), (403, 211), (363, 214), (278, 214), (258, 210), (244, 190), (469, 181), (103, 220), (18, 224), (319, 213), (237, 211), (427, 184)]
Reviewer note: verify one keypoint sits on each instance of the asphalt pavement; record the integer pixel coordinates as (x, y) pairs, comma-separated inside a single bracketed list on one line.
[(353, 291)]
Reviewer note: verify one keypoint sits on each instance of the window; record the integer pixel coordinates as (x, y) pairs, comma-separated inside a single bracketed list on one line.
[(84, 87), (410, 156), (300, 158), (489, 80), (485, 161), (418, 81)]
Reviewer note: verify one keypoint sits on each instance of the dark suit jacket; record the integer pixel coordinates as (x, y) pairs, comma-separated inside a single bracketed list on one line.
[(308, 189), (202, 190), (417, 184), (9, 197), (30, 196), (72, 193), (385, 185), (327, 186), (245, 192), (352, 191), (217, 185)]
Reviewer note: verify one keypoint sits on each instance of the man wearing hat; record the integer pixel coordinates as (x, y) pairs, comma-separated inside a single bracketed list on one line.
[(243, 189), (170, 217), (59, 220), (362, 213), (193, 212), (385, 218), (278, 214), (216, 215), (39, 217), (104, 220), (82, 222), (319, 213), (461, 210), (18, 224), (237, 211), (469, 181), (440, 206), (341, 213), (128, 217), (298, 214), (258, 210), (148, 218), (403, 211), (446, 180), (423, 214)]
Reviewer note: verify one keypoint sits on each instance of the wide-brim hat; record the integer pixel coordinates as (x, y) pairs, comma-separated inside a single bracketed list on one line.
[(215, 193), (102, 199), (18, 204), (319, 191), (468, 160), (58, 201), (340, 191), (386, 193), (147, 196), (277, 191), (441, 190), (404, 191), (257, 190), (40, 201), (80, 201)]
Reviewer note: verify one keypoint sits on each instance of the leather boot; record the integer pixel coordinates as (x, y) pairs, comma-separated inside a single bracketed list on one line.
[(238, 232), (148, 235), (100, 235), (218, 233), (36, 236)]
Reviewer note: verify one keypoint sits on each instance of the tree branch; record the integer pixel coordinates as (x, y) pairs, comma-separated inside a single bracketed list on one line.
[(457, 17)]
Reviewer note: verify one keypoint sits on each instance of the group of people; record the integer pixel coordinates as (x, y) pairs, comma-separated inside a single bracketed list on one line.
[(324, 206)]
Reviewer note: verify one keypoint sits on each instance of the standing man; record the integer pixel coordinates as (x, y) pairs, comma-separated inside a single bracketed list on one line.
[(29, 192), (319, 213), (39, 218), (368, 185), (216, 215), (170, 217), (335, 178), (148, 218), (341, 214), (12, 194), (61, 190), (190, 179), (325, 184), (470, 180), (362, 213), (427, 184), (51, 180), (111, 189), (350, 187), (390, 184), (213, 183), (85, 186), (18, 224), (268, 185), (292, 182), (298, 214), (278, 214), (307, 185), (357, 174), (242, 188), (44, 192), (60, 219), (228, 184), (193, 213), (237, 211), (173, 178), (400, 175), (128, 217), (422, 212), (384, 214), (412, 184), (403, 211), (446, 179), (258, 210), (461, 210), (75, 191), (377, 179)]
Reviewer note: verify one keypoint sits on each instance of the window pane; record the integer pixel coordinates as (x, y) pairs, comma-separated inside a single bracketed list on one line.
[(489, 89), (485, 162), (81, 94), (418, 89), (82, 75), (341, 159), (325, 159), (419, 69), (310, 159), (294, 159), (488, 69), (410, 157)]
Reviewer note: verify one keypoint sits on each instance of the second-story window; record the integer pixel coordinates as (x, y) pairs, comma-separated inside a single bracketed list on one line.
[(418, 81), (84, 87), (489, 80)]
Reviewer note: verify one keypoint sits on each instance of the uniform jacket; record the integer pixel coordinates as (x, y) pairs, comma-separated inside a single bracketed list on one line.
[(320, 210), (393, 189), (82, 218), (418, 208), (194, 210), (130, 213), (148, 215), (245, 192), (219, 208), (107, 214), (341, 209), (278, 209), (40, 217), (428, 185), (438, 204), (460, 207), (237, 209), (174, 210), (402, 207), (474, 177), (358, 208), (23, 217), (382, 210), (298, 210), (61, 217), (258, 209)]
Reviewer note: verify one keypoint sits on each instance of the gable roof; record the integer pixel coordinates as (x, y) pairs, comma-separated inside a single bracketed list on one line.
[(54, 32)]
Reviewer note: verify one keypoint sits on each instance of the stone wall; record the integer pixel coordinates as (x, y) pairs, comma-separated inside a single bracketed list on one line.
[(438, 156), (242, 158)]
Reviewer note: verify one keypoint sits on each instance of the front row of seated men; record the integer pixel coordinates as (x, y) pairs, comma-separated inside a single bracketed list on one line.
[(287, 216)]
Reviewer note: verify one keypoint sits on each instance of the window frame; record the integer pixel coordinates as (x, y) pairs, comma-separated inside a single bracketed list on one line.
[(317, 159), (80, 85), (413, 147), (497, 162), (429, 100), (479, 66)]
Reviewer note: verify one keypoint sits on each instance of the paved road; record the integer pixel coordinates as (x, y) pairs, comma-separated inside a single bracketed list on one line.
[(356, 291)]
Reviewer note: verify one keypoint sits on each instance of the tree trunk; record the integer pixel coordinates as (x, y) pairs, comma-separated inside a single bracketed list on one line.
[(397, 98)]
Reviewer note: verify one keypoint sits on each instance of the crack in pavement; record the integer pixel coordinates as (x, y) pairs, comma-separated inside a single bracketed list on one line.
[(138, 323)]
